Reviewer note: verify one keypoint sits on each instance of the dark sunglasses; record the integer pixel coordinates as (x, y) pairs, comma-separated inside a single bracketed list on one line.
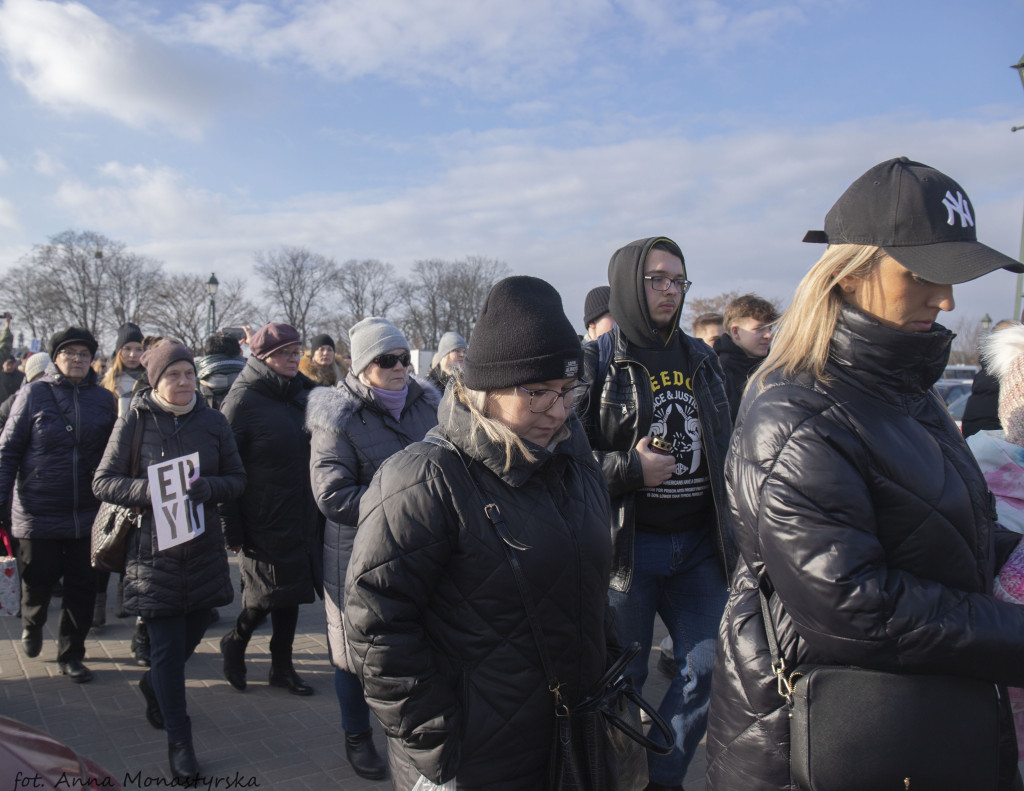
[(391, 360)]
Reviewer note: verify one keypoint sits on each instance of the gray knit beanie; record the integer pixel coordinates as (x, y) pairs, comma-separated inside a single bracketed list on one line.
[(35, 365), (371, 337), (450, 341)]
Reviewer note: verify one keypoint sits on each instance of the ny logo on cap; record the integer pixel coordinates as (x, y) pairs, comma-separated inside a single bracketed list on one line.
[(571, 367), (959, 205)]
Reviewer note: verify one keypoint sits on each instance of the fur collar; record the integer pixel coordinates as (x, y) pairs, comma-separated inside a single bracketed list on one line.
[(330, 408)]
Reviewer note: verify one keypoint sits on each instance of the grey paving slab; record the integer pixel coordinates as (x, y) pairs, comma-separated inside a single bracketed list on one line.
[(264, 737)]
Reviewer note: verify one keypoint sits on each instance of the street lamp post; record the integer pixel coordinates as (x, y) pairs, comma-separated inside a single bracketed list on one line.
[(986, 322), (211, 315), (1019, 66)]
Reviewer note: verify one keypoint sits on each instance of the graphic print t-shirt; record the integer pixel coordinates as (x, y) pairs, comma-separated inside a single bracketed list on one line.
[(684, 500)]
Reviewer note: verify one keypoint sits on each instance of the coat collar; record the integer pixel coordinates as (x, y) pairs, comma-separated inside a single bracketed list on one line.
[(903, 363)]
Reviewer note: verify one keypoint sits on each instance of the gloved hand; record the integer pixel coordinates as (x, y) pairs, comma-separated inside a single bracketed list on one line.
[(426, 785), (200, 490)]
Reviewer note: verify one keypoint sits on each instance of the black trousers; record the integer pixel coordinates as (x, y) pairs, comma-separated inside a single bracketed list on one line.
[(284, 622), (41, 563)]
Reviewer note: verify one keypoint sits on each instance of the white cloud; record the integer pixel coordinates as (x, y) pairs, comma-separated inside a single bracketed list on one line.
[(483, 45), (68, 58), (46, 164), (738, 204), (8, 215)]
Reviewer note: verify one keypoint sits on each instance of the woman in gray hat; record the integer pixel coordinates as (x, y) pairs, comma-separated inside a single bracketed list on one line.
[(437, 628), (864, 525), (375, 412)]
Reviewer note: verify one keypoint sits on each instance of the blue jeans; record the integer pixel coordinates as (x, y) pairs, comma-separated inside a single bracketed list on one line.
[(172, 640), (355, 714), (679, 577)]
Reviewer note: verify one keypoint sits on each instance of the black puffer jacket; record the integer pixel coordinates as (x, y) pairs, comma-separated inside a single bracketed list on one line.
[(738, 366), (981, 412), (275, 520), (53, 497), (860, 504), (436, 625), (190, 576), (351, 436)]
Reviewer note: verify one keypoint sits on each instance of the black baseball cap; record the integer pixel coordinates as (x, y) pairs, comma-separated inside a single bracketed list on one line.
[(917, 215)]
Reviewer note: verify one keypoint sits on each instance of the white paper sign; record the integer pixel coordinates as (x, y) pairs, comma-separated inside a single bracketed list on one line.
[(177, 518)]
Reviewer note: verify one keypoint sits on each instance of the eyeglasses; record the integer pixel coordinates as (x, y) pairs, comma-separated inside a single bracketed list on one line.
[(70, 355), (543, 400), (662, 283), (391, 360)]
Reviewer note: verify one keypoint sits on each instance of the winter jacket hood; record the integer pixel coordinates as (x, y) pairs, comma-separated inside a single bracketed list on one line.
[(628, 300)]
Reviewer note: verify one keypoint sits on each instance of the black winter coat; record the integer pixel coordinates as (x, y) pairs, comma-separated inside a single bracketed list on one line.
[(53, 498), (352, 434), (859, 504), (436, 625), (981, 412), (275, 520), (738, 367), (194, 575)]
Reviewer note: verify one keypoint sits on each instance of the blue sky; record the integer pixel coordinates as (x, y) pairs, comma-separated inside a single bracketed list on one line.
[(543, 133)]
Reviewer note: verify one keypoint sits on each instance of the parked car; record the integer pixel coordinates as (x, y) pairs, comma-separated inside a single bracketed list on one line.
[(956, 408), (953, 389)]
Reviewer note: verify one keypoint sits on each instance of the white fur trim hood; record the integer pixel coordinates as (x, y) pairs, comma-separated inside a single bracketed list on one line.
[(329, 408)]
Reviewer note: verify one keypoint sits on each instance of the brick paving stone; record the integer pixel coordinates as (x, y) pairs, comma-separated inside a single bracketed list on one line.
[(280, 741)]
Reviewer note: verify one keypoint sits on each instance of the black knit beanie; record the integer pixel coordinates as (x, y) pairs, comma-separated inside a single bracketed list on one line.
[(72, 335), (322, 339), (521, 335), (596, 304), (127, 333)]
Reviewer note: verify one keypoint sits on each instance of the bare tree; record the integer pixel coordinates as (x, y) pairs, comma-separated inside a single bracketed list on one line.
[(298, 283), (446, 295), (32, 302), (133, 283), (365, 288), (180, 309), (969, 335)]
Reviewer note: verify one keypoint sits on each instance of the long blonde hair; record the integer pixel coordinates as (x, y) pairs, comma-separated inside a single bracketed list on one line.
[(801, 342), (113, 375), (496, 431)]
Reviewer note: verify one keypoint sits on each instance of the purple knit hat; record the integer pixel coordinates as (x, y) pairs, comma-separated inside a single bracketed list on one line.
[(271, 337), (163, 355)]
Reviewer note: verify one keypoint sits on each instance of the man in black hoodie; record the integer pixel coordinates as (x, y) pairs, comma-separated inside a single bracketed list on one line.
[(652, 386)]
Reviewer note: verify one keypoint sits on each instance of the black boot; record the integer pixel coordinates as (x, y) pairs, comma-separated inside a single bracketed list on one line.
[(232, 647), (153, 713), (140, 644), (287, 677), (32, 641), (363, 756), (182, 759)]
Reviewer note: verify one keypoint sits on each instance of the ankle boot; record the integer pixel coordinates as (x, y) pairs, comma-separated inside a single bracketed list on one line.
[(363, 756), (99, 611), (232, 648), (288, 678), (182, 758)]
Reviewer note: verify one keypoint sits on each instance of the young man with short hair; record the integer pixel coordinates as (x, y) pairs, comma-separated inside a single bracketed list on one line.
[(749, 323), (709, 327)]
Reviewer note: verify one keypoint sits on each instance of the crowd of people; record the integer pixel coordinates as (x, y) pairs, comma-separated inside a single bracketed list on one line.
[(782, 491)]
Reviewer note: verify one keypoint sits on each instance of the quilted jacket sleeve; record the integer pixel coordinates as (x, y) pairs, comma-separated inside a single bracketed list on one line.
[(112, 482), (406, 536), (14, 441), (818, 537), (334, 471), (232, 522)]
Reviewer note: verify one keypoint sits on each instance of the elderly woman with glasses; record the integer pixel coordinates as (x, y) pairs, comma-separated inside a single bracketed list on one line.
[(375, 412), (274, 524), (437, 627)]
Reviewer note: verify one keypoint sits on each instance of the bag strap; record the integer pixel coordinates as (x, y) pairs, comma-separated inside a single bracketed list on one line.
[(136, 452), (783, 680), (509, 544)]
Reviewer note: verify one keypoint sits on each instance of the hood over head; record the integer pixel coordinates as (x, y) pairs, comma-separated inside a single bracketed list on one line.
[(628, 300)]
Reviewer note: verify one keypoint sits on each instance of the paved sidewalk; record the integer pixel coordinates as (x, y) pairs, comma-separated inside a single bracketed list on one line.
[(263, 738)]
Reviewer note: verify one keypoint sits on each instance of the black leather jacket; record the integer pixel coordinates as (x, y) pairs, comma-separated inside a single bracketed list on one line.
[(620, 413)]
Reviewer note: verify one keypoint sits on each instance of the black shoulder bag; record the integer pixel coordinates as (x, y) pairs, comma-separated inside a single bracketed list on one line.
[(599, 743), (114, 523), (853, 729)]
